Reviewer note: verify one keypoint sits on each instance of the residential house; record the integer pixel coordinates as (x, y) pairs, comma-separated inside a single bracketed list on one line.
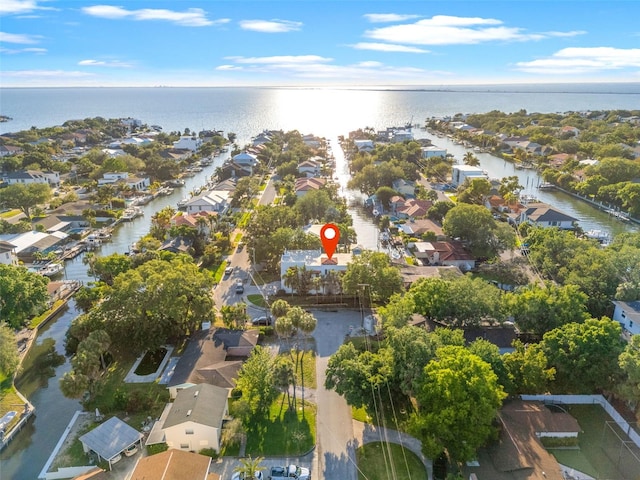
[(569, 130), (412, 273), (229, 185), (543, 215), (213, 357), (414, 208), (8, 253), (245, 159), (404, 187), (8, 150), (211, 201), (194, 421), (395, 203), (558, 159), (420, 226), (124, 178), (231, 170), (113, 152), (188, 142), (316, 262), (201, 221), (519, 453), (131, 122), (628, 314), (312, 141), (110, 439), (261, 138), (136, 141), (310, 168), (460, 173), (400, 136), (175, 154), (172, 465), (306, 184), (364, 145), (33, 176), (433, 151), (178, 244), (29, 244), (444, 253)]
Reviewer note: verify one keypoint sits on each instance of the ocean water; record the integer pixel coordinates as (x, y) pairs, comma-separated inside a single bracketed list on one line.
[(322, 111)]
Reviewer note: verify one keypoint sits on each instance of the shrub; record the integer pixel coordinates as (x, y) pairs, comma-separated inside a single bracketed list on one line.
[(120, 399), (139, 402), (209, 452), (157, 448)]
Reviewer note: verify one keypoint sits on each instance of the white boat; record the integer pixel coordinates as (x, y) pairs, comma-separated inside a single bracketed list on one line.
[(51, 269), (183, 202), (131, 213), (602, 237)]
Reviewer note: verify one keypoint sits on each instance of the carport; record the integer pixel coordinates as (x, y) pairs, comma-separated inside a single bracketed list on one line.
[(110, 438)]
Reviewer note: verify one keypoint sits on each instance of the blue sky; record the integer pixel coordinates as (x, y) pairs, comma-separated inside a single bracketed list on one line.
[(275, 43)]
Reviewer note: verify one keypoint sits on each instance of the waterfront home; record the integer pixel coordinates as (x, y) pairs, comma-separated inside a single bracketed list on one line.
[(304, 185), (124, 178), (33, 176), (404, 187), (313, 260), (312, 141), (191, 143), (173, 465), (194, 420), (177, 245), (418, 227), (245, 159), (210, 201), (261, 138), (433, 151), (310, 168), (413, 208), (109, 439), (202, 221), (8, 150), (364, 145), (8, 253), (113, 152), (460, 173), (30, 244), (628, 314), (543, 215), (444, 253)]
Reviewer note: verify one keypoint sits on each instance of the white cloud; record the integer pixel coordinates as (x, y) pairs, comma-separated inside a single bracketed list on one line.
[(103, 63), (282, 59), (13, 7), (583, 59), (449, 30), (572, 33), (387, 47), (45, 74), (18, 38), (14, 51), (270, 26), (228, 67), (192, 17), (388, 17)]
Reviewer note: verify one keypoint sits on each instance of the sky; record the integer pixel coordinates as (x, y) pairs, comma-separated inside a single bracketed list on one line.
[(358, 43)]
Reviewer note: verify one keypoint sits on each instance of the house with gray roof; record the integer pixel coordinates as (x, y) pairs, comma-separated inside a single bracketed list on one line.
[(628, 314), (543, 215), (195, 419)]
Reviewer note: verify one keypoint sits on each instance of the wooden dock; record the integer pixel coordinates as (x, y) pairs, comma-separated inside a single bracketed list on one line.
[(73, 252)]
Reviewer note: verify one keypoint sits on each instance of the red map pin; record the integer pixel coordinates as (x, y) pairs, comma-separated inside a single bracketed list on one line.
[(329, 235)]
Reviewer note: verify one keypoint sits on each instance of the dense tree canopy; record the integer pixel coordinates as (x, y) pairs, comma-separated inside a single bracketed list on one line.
[(25, 196), (9, 359), (459, 397), (23, 294), (371, 273)]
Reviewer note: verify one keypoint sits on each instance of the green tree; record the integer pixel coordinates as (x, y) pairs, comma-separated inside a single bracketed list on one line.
[(527, 369), (255, 382), (9, 359), (374, 271), (411, 349), (585, 355), (398, 311), (23, 294), (538, 309), (474, 225), (25, 196), (470, 159), (629, 361), (458, 400), (249, 467), (490, 353), (474, 191)]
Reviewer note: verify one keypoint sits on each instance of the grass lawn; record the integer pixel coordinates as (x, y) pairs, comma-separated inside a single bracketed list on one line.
[(151, 397), (374, 463), (257, 299), (591, 458), (35, 321), (10, 213), (400, 412), (264, 277), (307, 375), (284, 432), (9, 400)]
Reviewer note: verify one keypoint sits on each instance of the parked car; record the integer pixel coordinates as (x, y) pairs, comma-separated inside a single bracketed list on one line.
[(131, 450), (240, 246), (240, 476), (228, 271), (290, 471), (116, 459), (239, 287), (264, 320)]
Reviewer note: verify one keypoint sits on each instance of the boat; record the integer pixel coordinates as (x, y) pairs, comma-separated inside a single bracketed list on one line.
[(51, 269), (176, 182), (131, 213), (206, 161), (546, 186), (603, 237), (183, 202)]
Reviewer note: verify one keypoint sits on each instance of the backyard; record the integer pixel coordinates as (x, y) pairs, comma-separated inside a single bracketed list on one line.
[(380, 461)]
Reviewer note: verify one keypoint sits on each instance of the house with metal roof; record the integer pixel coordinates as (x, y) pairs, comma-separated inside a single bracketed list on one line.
[(110, 439)]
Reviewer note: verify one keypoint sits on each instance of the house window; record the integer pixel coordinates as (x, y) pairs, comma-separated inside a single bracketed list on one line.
[(189, 431), (184, 446), (623, 315), (630, 323)]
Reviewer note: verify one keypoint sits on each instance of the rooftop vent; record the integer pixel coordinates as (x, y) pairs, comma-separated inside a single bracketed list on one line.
[(188, 413)]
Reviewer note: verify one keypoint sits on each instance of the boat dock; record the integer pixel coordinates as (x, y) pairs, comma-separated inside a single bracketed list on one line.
[(73, 252)]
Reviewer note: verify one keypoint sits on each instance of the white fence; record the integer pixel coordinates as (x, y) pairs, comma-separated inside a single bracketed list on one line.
[(590, 400), (68, 472), (44, 472)]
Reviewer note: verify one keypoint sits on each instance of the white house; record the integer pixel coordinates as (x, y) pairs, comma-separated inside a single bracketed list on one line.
[(134, 183), (314, 260), (628, 314), (400, 136), (188, 143), (460, 173), (8, 253), (8, 150), (433, 151), (444, 253), (246, 159), (404, 187), (195, 419), (543, 215), (364, 145), (211, 201), (310, 168), (128, 141), (33, 176)]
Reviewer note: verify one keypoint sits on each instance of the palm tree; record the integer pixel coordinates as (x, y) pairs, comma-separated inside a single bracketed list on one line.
[(470, 159), (249, 467)]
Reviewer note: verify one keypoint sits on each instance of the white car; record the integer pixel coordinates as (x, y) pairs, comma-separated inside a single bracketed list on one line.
[(131, 450), (240, 476)]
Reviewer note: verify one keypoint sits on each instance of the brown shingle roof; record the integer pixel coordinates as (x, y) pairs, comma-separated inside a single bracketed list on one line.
[(172, 465)]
